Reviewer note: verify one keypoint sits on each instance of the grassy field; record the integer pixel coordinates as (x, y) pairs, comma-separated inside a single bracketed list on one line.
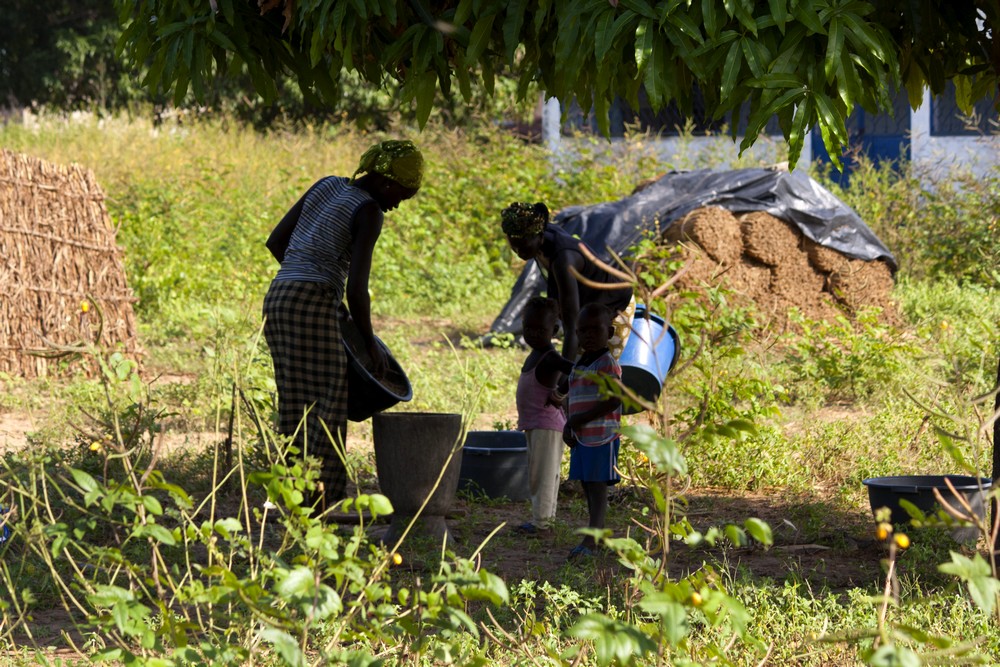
[(757, 425)]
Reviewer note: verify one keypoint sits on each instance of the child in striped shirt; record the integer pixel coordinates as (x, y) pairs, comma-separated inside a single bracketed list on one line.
[(594, 417)]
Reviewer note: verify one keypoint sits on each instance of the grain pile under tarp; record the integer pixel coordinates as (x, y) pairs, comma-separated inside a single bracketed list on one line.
[(57, 250), (778, 237), (771, 263)]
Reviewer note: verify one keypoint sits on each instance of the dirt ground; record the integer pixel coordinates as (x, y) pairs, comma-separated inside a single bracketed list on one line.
[(839, 552), (841, 555)]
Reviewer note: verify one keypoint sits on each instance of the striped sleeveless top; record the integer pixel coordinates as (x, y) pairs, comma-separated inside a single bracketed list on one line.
[(319, 250)]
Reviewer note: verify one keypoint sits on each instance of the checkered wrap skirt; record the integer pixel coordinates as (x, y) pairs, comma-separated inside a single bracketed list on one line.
[(302, 330)]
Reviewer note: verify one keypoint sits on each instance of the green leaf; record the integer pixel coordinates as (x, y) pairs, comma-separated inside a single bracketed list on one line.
[(463, 11), (850, 89), (361, 9), (671, 612), (756, 56), (657, 78), (389, 10), (800, 124), (300, 582), (865, 39), (84, 480), (108, 596), (152, 505), (894, 655), (663, 453), (516, 10), (686, 25), (613, 641), (731, 71), (379, 505), (759, 530), (228, 11), (488, 78), (285, 645), (604, 34), (736, 535), (157, 532), (834, 47), (602, 110), (953, 448), (426, 90), (831, 120), (489, 587), (464, 82), (977, 575), (745, 17), (640, 7), (759, 117), (779, 11), (806, 14), (710, 19), (225, 527), (479, 39)]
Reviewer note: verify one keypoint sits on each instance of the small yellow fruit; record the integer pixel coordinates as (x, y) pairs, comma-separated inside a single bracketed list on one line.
[(397, 559), (95, 446), (696, 599), (902, 541), (84, 306), (883, 531)]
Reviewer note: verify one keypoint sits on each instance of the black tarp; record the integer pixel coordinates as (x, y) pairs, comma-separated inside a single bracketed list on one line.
[(790, 196)]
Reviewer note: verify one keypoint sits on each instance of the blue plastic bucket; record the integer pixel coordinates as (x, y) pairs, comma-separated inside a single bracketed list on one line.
[(5, 520), (650, 352)]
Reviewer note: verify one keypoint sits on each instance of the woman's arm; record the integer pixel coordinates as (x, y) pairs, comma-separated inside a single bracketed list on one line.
[(552, 371), (277, 242), (551, 368), (569, 298), (366, 227)]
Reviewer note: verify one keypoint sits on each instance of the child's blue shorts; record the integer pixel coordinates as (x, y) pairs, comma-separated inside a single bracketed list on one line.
[(596, 463)]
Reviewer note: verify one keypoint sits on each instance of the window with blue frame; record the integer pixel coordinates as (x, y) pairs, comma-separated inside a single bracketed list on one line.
[(948, 120)]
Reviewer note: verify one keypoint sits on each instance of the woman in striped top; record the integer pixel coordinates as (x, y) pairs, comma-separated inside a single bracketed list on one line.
[(325, 245)]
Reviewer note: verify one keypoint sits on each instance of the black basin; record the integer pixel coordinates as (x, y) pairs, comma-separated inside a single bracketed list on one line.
[(367, 395), (919, 490)]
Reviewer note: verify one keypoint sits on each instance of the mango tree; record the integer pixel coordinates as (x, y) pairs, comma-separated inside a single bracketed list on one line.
[(809, 62)]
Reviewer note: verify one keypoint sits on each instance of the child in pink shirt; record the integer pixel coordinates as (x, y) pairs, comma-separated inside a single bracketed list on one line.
[(539, 412)]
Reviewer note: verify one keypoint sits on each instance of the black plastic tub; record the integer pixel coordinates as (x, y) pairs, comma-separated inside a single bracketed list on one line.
[(495, 465), (367, 395), (919, 490)]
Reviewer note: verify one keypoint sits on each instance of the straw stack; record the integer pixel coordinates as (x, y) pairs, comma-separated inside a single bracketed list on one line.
[(57, 250)]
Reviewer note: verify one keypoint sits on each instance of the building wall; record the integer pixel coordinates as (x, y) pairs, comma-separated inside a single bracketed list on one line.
[(933, 155), (936, 156)]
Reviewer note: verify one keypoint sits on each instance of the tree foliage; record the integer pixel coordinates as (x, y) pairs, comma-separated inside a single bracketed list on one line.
[(62, 52), (808, 62)]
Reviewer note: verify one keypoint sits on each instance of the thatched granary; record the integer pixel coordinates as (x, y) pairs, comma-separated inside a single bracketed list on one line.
[(57, 250)]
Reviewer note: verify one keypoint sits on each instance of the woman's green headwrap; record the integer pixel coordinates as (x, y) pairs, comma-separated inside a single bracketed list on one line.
[(520, 220), (399, 160)]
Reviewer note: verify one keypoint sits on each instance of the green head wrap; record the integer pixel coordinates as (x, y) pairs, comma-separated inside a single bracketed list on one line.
[(399, 160), (521, 220)]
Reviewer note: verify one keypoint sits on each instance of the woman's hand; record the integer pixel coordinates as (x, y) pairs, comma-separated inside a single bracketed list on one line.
[(568, 436), (380, 360), (555, 398)]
